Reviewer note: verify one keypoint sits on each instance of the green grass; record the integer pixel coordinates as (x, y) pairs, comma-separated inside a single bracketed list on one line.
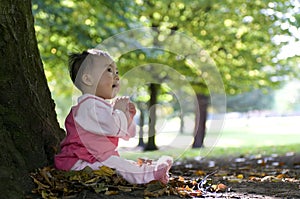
[(238, 137), (216, 152)]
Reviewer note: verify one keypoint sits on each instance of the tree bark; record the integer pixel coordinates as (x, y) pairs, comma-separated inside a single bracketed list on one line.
[(152, 119), (141, 131), (29, 132), (200, 121), (181, 116)]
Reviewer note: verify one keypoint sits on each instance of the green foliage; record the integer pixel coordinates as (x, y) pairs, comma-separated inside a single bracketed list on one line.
[(254, 100), (238, 36)]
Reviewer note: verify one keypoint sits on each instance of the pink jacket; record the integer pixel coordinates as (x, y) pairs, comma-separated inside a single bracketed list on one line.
[(93, 132)]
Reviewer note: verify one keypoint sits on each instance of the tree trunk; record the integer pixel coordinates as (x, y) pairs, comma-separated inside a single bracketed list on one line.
[(29, 130), (200, 122), (181, 116), (152, 119), (141, 132)]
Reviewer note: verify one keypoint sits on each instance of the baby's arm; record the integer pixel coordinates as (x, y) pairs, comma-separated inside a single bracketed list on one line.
[(100, 118), (128, 108)]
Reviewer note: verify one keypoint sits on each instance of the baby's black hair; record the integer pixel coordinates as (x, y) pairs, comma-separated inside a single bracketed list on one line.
[(75, 61)]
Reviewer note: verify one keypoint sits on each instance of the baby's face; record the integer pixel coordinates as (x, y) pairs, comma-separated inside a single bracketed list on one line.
[(106, 77)]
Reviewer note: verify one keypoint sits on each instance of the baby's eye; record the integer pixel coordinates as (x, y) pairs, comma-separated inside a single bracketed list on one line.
[(109, 69), (117, 72)]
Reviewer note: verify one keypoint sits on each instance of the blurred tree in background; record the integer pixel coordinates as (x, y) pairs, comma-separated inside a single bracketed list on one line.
[(244, 39)]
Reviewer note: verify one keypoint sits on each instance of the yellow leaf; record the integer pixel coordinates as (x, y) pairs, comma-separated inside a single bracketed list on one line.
[(280, 176), (180, 178), (40, 185), (124, 189), (100, 187), (109, 193), (200, 173), (91, 180), (187, 188), (104, 171), (44, 172), (214, 187), (44, 194), (240, 176)]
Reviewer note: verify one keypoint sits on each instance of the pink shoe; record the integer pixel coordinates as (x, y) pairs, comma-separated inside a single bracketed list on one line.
[(161, 171)]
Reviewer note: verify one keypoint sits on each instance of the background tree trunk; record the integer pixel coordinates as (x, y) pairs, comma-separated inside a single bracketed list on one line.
[(29, 133), (181, 116), (141, 131), (201, 117), (152, 117)]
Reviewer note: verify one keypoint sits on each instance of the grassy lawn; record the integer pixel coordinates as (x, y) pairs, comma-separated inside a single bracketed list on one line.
[(242, 136), (213, 152)]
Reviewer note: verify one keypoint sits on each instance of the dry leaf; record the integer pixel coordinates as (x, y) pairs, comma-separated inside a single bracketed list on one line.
[(200, 173), (141, 161), (253, 178), (270, 179), (221, 187), (109, 193)]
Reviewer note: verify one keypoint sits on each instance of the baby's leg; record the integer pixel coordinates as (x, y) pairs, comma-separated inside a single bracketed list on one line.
[(131, 171), (81, 164)]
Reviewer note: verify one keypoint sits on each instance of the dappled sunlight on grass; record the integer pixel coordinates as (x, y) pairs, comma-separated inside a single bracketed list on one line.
[(264, 135)]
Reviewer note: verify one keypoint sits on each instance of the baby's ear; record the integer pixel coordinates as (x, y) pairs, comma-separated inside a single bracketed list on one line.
[(87, 79)]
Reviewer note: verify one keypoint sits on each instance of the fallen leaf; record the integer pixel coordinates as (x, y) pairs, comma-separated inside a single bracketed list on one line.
[(253, 178), (124, 188), (232, 179), (104, 171), (40, 185), (293, 180), (44, 172), (100, 187), (270, 179), (196, 193), (221, 187), (109, 193), (141, 161), (200, 173), (240, 176), (280, 176), (180, 178)]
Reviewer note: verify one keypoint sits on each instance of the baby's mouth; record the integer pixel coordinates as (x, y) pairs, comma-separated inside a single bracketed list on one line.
[(115, 85)]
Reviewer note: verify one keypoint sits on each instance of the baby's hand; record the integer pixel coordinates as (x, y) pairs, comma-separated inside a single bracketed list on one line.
[(122, 104), (132, 110)]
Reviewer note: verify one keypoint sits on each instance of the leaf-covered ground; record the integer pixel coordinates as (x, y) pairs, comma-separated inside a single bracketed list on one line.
[(252, 176)]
